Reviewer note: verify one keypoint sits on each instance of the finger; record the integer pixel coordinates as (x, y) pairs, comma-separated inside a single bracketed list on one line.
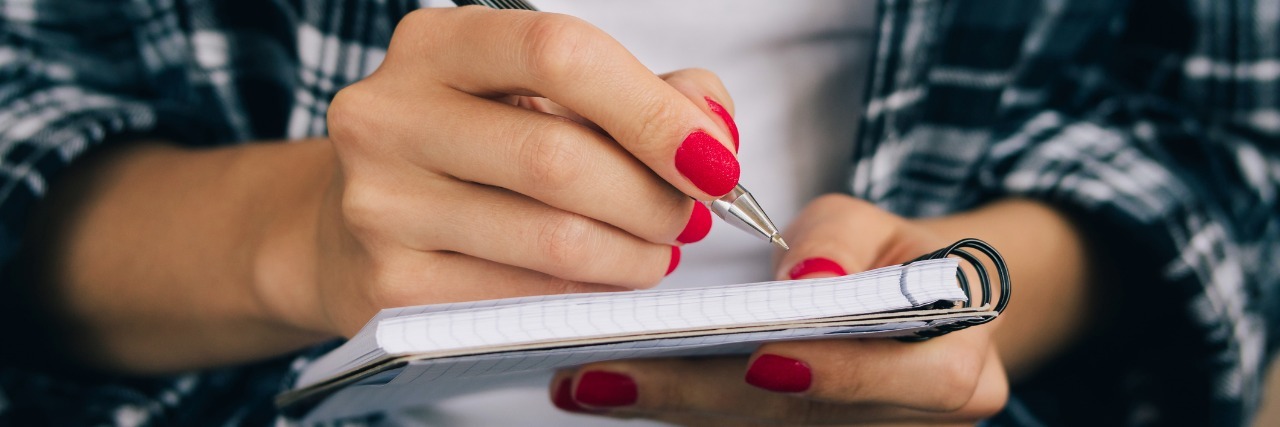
[(707, 388), (699, 85), (550, 159), (713, 421), (706, 90), (836, 234), (540, 104), (459, 270), (683, 386), (582, 68), (939, 375), (508, 228), (691, 390), (552, 241)]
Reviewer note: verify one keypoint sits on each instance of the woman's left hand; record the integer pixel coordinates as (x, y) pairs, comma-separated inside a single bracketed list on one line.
[(953, 379)]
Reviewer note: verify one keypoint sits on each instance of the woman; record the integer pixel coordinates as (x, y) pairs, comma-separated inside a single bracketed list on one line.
[(1133, 199)]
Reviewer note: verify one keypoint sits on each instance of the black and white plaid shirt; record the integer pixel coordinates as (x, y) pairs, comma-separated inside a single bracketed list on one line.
[(1155, 123)]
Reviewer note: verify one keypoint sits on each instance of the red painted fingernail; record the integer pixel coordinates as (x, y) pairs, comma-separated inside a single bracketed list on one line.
[(816, 265), (607, 389), (699, 224), (777, 373), (564, 397), (728, 120), (705, 161), (675, 260)]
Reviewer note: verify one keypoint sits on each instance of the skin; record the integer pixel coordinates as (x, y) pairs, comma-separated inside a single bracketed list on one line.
[(958, 378), (162, 259)]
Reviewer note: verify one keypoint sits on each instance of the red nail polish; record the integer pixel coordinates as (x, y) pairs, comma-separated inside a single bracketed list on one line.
[(728, 120), (563, 398), (710, 166), (699, 224), (816, 265), (675, 260), (606, 389), (780, 374)]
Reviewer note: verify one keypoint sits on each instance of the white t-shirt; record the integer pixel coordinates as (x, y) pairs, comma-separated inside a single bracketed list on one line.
[(796, 71)]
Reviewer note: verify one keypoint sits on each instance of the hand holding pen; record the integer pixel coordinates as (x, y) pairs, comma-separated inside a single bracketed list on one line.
[(738, 208), (506, 153)]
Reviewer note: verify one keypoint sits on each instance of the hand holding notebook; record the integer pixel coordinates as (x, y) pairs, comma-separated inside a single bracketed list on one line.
[(408, 355)]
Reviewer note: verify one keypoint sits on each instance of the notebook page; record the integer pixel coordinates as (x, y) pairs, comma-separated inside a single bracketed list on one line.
[(648, 312), (389, 313), (425, 380), (711, 305)]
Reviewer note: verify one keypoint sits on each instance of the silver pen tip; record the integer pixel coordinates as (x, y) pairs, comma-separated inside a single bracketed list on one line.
[(776, 239)]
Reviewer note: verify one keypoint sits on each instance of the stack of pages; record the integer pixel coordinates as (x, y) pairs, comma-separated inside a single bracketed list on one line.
[(410, 355)]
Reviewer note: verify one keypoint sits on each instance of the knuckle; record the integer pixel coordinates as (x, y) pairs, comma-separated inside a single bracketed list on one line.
[(985, 404), (424, 24), (361, 207), (557, 46), (552, 157), (349, 116), (977, 412), (417, 32), (699, 76), (958, 375), (654, 119), (418, 18), (565, 243)]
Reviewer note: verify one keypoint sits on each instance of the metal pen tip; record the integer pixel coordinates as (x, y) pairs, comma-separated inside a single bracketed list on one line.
[(776, 239)]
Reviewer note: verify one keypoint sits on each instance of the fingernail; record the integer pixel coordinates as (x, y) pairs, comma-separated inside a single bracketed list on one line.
[(606, 389), (777, 373), (699, 224), (675, 260), (728, 120), (563, 398), (705, 161), (816, 265)]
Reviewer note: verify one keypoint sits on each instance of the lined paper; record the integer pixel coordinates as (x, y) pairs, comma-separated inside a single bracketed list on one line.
[(424, 380), (477, 326)]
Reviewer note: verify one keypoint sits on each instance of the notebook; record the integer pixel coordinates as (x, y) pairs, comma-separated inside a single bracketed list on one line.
[(411, 355)]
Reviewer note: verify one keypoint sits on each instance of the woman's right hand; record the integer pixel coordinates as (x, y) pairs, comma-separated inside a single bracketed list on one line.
[(507, 153)]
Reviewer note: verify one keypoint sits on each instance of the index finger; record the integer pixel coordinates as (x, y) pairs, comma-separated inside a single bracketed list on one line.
[(939, 375), (580, 67)]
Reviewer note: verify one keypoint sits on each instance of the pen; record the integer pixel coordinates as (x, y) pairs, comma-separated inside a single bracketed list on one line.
[(737, 208)]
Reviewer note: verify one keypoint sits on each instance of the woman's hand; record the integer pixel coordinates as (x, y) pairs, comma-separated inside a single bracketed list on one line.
[(492, 154), (953, 379), (505, 153)]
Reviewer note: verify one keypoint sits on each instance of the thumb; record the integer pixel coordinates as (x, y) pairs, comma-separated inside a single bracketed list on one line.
[(836, 235)]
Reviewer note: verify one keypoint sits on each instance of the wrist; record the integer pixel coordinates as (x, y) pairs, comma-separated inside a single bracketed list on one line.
[(286, 256)]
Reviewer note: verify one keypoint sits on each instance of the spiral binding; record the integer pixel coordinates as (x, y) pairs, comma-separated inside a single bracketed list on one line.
[(984, 279)]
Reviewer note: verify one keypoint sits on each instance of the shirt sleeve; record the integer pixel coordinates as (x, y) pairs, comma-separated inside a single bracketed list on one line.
[(70, 81), (1185, 244), (1174, 183), (1161, 148)]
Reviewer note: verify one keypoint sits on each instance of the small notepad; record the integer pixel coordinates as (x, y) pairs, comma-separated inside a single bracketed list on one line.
[(410, 355)]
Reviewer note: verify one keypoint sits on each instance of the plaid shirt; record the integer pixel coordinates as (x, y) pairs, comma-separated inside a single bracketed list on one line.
[(1154, 123)]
